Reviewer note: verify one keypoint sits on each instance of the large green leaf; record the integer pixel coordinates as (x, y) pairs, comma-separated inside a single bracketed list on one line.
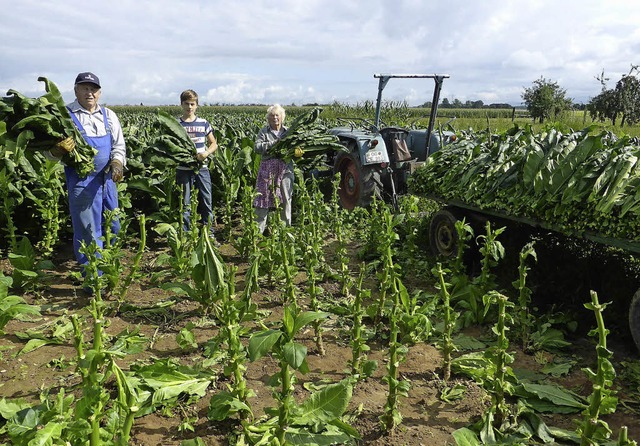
[(306, 318), (325, 405), (261, 343), (169, 380), (8, 408), (12, 306), (294, 353), (562, 399), (46, 435), (34, 344), (224, 404), (328, 437), (466, 437)]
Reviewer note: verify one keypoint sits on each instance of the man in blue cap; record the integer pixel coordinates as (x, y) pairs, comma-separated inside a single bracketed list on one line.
[(91, 196)]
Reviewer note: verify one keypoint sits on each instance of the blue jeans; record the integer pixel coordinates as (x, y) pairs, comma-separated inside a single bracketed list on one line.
[(201, 180)]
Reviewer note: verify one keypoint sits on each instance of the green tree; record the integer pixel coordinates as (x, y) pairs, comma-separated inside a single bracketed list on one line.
[(604, 106), (628, 96), (546, 100), (623, 100)]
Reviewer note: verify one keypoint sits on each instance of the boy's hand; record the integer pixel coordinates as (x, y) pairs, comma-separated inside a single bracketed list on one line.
[(202, 156)]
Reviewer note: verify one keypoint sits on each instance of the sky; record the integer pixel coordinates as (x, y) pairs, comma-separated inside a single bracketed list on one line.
[(316, 51)]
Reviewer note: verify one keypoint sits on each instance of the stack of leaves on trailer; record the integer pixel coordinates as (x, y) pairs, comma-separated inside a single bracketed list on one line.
[(578, 181), (41, 123)]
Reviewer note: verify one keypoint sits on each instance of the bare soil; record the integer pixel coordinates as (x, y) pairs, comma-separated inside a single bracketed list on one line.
[(427, 419)]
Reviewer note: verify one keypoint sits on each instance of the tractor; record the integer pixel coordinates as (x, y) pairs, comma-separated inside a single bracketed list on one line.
[(379, 159)]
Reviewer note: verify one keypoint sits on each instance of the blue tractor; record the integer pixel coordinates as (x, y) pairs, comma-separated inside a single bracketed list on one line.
[(380, 159)]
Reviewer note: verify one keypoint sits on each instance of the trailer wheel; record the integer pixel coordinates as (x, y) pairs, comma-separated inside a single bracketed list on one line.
[(443, 237), (634, 318), (358, 184)]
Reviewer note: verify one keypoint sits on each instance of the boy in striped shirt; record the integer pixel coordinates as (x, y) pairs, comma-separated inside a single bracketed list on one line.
[(201, 134)]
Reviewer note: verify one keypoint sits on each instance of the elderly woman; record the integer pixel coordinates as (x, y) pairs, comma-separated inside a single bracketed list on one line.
[(274, 174)]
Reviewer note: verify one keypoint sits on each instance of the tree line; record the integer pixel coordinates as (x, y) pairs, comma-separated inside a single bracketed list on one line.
[(547, 100)]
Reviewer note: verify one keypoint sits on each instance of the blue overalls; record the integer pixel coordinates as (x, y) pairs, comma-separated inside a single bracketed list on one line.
[(89, 197)]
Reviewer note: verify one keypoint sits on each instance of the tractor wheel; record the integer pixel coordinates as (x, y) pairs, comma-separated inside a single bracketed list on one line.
[(443, 237), (358, 184), (634, 319)]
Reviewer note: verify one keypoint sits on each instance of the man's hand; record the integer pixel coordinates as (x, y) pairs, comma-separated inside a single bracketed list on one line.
[(117, 170), (63, 147), (202, 156)]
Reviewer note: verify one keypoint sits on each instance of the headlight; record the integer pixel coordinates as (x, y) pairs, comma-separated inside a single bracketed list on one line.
[(373, 156)]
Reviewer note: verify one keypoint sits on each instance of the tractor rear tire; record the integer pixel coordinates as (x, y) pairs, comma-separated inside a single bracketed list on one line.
[(443, 237), (358, 184), (634, 319)]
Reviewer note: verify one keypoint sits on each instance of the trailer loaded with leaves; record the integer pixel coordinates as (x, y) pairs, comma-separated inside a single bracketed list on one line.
[(578, 183)]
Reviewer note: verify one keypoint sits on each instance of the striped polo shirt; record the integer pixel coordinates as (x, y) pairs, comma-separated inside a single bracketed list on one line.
[(198, 130)]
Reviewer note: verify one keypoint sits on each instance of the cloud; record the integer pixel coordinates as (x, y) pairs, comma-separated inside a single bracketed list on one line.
[(294, 51)]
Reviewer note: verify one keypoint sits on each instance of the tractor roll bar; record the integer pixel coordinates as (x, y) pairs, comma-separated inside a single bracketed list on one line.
[(438, 79)]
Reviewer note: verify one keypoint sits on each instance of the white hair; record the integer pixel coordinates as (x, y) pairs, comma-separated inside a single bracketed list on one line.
[(276, 109)]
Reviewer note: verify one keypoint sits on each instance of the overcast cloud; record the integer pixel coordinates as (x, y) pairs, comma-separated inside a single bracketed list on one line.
[(306, 51)]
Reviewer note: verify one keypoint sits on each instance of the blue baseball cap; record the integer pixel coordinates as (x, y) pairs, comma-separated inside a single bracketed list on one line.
[(87, 78)]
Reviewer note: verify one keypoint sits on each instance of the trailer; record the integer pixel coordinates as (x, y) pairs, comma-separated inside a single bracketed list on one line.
[(443, 240)]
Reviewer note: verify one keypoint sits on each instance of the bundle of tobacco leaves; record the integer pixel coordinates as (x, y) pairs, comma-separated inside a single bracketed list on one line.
[(44, 123), (171, 147), (306, 140)]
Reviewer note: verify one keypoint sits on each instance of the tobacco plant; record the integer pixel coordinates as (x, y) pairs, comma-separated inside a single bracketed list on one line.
[(227, 162), (96, 363), (181, 241), (374, 235), (45, 192), (500, 385), (10, 198), (317, 420), (593, 430), (311, 243), (286, 242), (449, 321), (133, 272), (525, 318), (271, 261), (12, 306), (109, 259), (468, 295), (465, 235), (29, 272), (575, 182), (208, 279), (397, 351), (361, 367), (386, 238), (246, 243), (339, 233), (232, 314)]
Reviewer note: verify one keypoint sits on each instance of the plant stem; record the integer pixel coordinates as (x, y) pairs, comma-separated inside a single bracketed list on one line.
[(285, 401)]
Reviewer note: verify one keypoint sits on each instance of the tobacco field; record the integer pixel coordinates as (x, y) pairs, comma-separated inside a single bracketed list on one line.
[(341, 329)]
